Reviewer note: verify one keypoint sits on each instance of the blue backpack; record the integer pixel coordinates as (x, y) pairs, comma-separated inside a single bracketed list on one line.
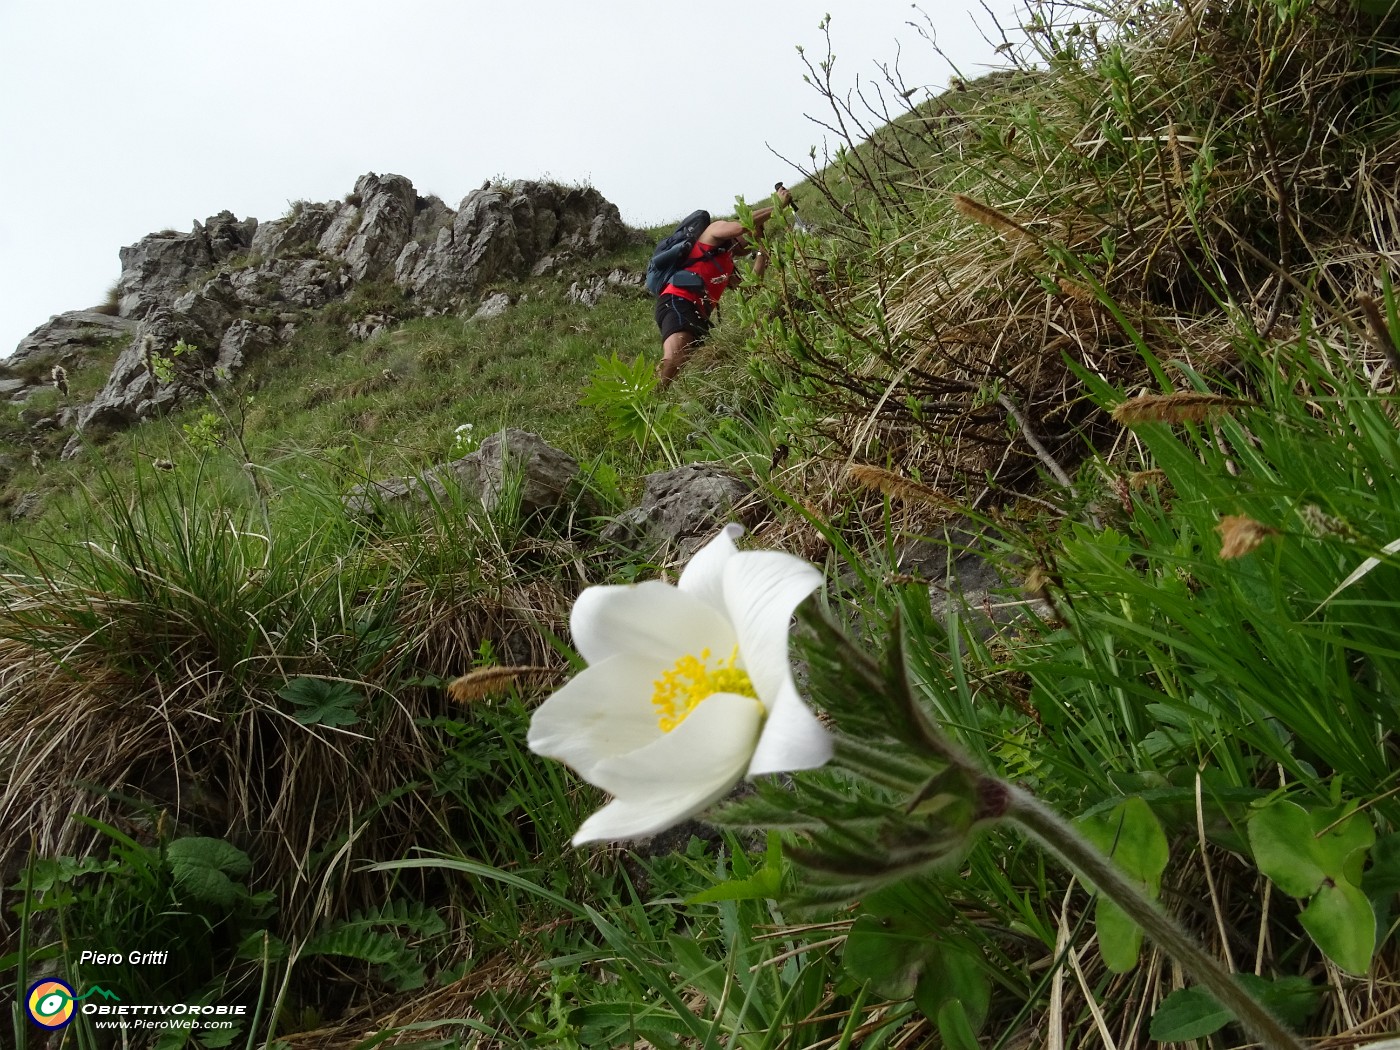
[(673, 252)]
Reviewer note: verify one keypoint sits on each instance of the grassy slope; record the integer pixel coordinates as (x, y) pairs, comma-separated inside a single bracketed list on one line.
[(1136, 270)]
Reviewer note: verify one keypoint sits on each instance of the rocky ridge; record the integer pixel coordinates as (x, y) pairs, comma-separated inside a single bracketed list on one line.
[(233, 288)]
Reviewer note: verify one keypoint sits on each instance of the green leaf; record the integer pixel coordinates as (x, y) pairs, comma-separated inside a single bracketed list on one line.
[(955, 1028), (206, 869), (1193, 1013), (1292, 999), (764, 884), (1340, 919), (356, 941), (215, 1038), (1188, 1013), (1383, 877), (322, 702), (1299, 849), (252, 947), (1120, 939), (955, 974), (886, 954), (1133, 837)]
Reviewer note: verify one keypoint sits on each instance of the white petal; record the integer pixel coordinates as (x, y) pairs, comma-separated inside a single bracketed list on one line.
[(761, 590), (793, 737), (681, 774), (711, 747), (650, 619), (704, 574), (633, 818), (601, 712)]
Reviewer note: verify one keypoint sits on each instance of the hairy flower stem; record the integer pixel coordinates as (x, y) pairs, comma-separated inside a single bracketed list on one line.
[(1061, 838)]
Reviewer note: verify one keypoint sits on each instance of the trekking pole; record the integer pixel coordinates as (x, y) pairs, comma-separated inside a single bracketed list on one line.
[(796, 216)]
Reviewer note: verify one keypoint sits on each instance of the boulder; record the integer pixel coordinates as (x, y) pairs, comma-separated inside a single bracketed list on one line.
[(369, 326), (296, 234), (544, 474), (681, 510), (431, 216), (303, 284), (243, 342), (491, 306), (590, 290), (228, 236), (207, 310)]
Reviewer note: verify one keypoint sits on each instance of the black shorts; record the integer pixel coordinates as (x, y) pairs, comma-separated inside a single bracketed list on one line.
[(674, 314)]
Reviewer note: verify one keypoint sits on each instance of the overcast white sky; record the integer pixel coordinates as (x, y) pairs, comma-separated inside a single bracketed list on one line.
[(120, 119)]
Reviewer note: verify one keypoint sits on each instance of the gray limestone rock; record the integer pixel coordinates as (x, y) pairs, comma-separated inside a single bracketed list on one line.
[(161, 267), (369, 326), (131, 392), (491, 306), (243, 342), (220, 286), (296, 234), (681, 510), (507, 459), (503, 231), (63, 338), (371, 228), (590, 290)]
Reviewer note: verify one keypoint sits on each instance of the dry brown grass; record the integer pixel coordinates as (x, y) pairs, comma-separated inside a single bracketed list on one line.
[(124, 708), (1177, 201), (435, 1009)]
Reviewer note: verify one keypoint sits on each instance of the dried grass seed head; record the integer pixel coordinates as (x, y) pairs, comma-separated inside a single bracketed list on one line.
[(1240, 535), (1186, 406)]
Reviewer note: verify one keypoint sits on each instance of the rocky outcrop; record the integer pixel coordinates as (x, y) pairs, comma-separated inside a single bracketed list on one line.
[(131, 392), (372, 226), (491, 306), (503, 232), (681, 510), (163, 266), (62, 339), (232, 287)]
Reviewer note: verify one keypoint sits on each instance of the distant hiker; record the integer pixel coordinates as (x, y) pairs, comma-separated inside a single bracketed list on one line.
[(695, 280)]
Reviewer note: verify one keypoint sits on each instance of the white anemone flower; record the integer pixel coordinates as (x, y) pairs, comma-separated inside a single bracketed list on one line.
[(687, 689)]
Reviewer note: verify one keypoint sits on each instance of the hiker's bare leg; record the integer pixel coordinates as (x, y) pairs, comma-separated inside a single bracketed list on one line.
[(674, 351)]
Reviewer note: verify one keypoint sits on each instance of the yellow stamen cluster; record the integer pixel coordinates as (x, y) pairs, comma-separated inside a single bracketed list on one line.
[(679, 691)]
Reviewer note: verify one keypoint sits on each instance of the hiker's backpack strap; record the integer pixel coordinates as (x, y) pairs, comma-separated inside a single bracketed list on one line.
[(673, 252)]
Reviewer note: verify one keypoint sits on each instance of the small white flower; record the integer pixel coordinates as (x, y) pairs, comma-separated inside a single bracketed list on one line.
[(687, 689)]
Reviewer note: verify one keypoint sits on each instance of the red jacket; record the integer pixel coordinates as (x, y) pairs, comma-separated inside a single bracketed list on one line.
[(714, 271)]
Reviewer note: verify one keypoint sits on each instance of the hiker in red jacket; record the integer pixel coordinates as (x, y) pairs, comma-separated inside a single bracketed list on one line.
[(683, 308)]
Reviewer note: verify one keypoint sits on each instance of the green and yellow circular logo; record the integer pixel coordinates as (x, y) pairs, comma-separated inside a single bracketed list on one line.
[(50, 1003)]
